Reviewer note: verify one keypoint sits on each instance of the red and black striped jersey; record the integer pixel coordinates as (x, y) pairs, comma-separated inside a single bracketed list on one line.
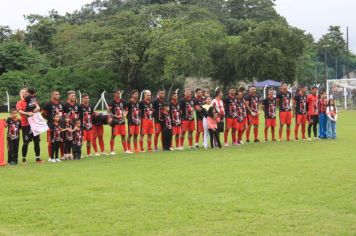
[(175, 112), (146, 110), (117, 108), (187, 109)]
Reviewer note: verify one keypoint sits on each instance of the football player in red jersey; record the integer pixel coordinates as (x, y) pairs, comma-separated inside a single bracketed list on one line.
[(176, 119), (147, 126), (300, 112), (71, 107), (313, 112), (252, 102), (27, 134), (157, 114), (133, 119), (241, 115), (118, 108), (269, 107), (285, 110), (230, 104), (52, 108), (187, 112), (86, 112)]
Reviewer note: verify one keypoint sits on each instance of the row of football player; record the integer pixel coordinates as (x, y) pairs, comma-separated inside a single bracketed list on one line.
[(239, 110)]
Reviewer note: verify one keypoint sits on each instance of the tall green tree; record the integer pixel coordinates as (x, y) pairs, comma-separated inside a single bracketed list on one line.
[(332, 47), (5, 33), (182, 47), (17, 56), (270, 51)]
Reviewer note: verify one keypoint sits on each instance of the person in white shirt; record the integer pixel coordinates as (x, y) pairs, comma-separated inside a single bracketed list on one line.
[(218, 103), (331, 112)]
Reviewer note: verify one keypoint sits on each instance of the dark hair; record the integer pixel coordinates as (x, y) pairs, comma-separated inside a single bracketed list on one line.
[(31, 91), (116, 90), (329, 104), (133, 91), (13, 109), (54, 91), (322, 92), (207, 97), (173, 93), (85, 95), (242, 89), (198, 89), (218, 92)]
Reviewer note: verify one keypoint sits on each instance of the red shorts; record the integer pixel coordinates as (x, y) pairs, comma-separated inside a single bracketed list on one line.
[(119, 130), (188, 125), (245, 121), (87, 135), (285, 117), (176, 130), (134, 129), (301, 119), (98, 130), (270, 123), (158, 128), (147, 126), (200, 127), (240, 125), (253, 120), (231, 123)]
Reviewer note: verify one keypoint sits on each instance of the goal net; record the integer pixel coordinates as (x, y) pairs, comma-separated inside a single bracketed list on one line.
[(343, 91)]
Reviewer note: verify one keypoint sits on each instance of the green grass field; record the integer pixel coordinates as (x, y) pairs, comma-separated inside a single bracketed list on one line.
[(304, 188)]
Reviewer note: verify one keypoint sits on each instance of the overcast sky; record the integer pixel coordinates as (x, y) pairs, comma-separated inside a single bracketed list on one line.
[(314, 16)]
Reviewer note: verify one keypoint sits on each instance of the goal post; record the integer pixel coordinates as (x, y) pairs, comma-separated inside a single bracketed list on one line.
[(343, 91)]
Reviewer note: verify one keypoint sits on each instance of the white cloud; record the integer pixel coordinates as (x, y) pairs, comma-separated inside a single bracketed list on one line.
[(12, 11), (315, 16)]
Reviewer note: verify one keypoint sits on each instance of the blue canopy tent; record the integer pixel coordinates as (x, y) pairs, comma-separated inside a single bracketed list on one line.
[(265, 84)]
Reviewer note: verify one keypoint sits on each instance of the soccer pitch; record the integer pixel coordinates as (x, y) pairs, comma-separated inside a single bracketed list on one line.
[(294, 188)]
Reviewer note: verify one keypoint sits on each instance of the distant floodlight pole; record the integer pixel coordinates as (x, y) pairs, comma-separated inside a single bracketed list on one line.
[(348, 53), (80, 97), (345, 97), (264, 92), (143, 91), (327, 90), (8, 101), (102, 100), (326, 65)]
